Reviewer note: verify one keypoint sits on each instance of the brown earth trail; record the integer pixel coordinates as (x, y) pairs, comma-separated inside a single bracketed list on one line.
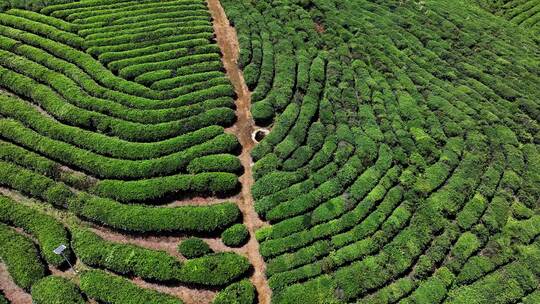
[(228, 42)]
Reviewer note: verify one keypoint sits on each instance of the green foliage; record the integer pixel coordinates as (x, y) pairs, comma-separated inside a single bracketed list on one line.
[(262, 112), (123, 258), (215, 163), (242, 292), (100, 285), (48, 231), (235, 236), (56, 290), (216, 269), (139, 218), (21, 258), (212, 270), (193, 248)]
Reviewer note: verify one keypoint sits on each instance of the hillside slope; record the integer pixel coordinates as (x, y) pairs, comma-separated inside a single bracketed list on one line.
[(525, 13), (402, 163)]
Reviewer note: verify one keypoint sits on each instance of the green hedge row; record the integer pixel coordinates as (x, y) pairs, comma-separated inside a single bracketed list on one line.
[(168, 76), (126, 130), (140, 27), (163, 31), (85, 71), (193, 248), (266, 70), (98, 143), (280, 129), (107, 167), (193, 77), (74, 94), (215, 163), (191, 10), (48, 231), (242, 292), (136, 218), (17, 155), (34, 16), (347, 254), (56, 290), (235, 236), (35, 185), (284, 77), (319, 169), (159, 122), (288, 240), (98, 50), (104, 287), (215, 269), (147, 190), (98, 10), (135, 70), (211, 270), (45, 30), (30, 4), (125, 259), (427, 219), (327, 190), (297, 134), (142, 23), (303, 256), (50, 9), (21, 258), (99, 73)]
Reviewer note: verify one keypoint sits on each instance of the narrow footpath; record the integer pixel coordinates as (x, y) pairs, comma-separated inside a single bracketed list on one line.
[(228, 42)]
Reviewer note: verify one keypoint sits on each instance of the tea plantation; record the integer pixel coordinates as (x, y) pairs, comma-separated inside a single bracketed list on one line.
[(112, 113), (400, 162)]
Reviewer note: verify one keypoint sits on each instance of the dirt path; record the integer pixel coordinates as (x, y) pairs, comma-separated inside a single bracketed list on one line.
[(13, 293), (228, 42)]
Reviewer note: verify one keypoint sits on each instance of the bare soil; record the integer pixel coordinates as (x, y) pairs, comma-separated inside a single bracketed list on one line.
[(187, 294), (13, 293), (243, 128)]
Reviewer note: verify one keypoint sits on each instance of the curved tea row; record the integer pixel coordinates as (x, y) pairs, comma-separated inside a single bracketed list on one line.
[(402, 163), (113, 113)]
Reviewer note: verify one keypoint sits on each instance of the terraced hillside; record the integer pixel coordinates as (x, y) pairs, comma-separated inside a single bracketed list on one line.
[(525, 13), (284, 151), (402, 164), (113, 143)]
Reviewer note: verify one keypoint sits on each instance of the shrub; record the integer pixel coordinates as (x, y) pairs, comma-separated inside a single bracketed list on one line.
[(235, 236), (472, 212), (147, 190), (132, 71), (216, 269), (265, 165), (123, 258), (273, 182), (48, 231), (242, 292), (56, 290), (138, 218), (215, 163), (104, 287), (104, 145), (211, 270), (21, 258), (107, 167), (262, 112), (142, 218), (193, 248)]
